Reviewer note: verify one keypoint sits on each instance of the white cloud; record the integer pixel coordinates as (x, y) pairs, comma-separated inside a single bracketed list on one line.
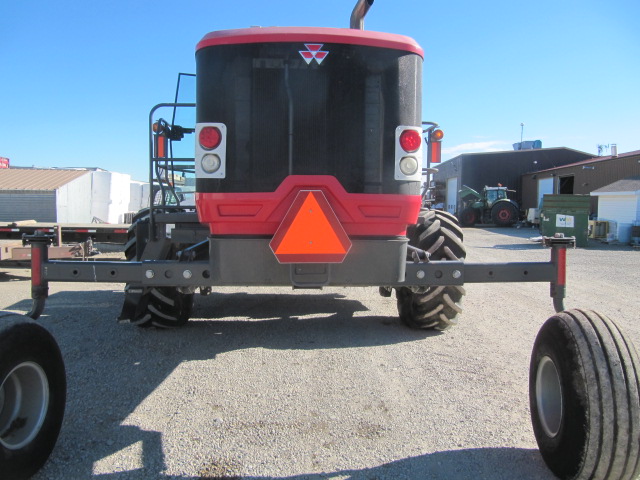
[(475, 147)]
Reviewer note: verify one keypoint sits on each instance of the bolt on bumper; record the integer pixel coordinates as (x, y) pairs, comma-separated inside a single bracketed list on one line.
[(170, 273)]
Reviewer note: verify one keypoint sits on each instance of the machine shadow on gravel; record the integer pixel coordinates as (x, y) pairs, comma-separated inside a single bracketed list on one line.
[(112, 369), (13, 277), (463, 464)]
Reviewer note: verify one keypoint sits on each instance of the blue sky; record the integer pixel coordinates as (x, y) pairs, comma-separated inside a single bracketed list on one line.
[(78, 78)]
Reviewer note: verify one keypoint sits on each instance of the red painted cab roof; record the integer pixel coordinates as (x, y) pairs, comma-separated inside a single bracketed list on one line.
[(310, 34)]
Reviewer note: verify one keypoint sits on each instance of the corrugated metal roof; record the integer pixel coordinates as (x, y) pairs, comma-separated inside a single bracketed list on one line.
[(594, 160), (37, 178), (527, 151), (630, 185)]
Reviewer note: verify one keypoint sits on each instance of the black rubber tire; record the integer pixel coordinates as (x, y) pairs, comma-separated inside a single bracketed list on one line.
[(165, 307), (33, 391), (468, 217), (584, 397), (162, 307), (438, 234), (504, 214), (139, 221)]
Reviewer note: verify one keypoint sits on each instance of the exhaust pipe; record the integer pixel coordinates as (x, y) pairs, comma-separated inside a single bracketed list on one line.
[(359, 11)]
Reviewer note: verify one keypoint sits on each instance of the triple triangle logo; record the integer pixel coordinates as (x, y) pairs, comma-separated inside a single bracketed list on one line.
[(313, 52)]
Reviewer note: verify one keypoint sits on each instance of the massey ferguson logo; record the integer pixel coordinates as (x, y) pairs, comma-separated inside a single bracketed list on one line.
[(313, 51)]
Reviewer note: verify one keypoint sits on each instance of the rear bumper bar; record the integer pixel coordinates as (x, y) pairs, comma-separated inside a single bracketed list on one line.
[(244, 262), (172, 273)]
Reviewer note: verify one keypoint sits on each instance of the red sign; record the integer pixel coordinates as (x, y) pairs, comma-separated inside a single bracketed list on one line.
[(310, 232), (4, 162)]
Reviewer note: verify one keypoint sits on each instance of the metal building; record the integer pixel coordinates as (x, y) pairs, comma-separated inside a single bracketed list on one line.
[(619, 206), (477, 170), (63, 195), (582, 177), (30, 193)]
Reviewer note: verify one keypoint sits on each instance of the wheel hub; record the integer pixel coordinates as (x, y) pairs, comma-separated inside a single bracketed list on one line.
[(24, 399), (549, 396)]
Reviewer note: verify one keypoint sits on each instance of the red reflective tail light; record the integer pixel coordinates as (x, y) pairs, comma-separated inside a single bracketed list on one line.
[(434, 153), (210, 138), (160, 145), (410, 141)]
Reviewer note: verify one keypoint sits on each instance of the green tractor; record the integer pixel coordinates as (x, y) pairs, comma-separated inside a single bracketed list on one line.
[(492, 206)]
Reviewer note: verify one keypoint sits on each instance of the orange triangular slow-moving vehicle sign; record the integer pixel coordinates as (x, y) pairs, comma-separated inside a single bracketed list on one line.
[(310, 232)]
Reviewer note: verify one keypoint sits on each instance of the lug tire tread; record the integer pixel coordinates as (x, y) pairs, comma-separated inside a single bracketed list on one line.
[(163, 307), (437, 306)]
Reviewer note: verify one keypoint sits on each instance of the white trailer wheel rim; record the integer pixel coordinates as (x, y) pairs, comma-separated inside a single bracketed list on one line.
[(549, 396), (24, 399)]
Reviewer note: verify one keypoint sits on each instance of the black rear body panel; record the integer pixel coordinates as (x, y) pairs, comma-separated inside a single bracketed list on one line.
[(343, 111)]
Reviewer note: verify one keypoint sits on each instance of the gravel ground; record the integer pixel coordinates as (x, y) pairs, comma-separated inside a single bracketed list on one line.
[(271, 383)]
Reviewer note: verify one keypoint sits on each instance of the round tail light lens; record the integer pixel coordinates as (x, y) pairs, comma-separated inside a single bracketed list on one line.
[(409, 166), (211, 163), (410, 141), (210, 137)]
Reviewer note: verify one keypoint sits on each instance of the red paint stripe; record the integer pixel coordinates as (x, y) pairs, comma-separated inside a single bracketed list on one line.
[(311, 35), (36, 267), (562, 267)]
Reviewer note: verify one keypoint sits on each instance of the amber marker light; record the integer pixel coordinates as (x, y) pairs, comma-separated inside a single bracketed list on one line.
[(437, 135)]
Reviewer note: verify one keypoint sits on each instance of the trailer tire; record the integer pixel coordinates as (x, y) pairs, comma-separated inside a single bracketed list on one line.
[(504, 214), (32, 395), (584, 397), (434, 307)]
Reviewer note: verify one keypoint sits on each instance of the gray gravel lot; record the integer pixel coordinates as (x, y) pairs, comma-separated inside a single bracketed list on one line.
[(272, 383)]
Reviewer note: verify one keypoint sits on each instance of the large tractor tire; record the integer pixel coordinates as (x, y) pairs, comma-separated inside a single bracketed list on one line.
[(584, 396), (468, 217), (504, 214), (438, 234), (162, 307), (33, 391), (137, 235)]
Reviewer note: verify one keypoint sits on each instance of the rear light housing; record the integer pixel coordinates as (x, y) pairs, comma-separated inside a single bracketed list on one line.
[(408, 153), (211, 150)]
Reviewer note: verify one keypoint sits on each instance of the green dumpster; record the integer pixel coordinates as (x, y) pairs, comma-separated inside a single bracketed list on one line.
[(568, 214)]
